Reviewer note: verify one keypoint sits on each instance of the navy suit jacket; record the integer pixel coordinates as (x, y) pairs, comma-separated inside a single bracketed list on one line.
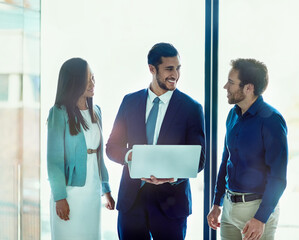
[(183, 124)]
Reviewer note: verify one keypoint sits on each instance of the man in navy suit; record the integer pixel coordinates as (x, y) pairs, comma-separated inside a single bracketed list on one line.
[(156, 208)]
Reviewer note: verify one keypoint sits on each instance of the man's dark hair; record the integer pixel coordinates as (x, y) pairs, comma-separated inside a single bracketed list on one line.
[(160, 50), (252, 72)]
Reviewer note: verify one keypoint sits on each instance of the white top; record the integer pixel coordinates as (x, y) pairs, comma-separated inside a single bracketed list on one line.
[(92, 139), (163, 105)]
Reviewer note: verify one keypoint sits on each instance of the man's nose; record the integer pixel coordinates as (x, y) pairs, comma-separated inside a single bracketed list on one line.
[(175, 74)]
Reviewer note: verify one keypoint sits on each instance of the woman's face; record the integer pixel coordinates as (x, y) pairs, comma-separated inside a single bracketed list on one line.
[(89, 91)]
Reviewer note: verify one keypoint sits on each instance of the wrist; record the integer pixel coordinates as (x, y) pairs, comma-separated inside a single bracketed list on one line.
[(107, 194), (216, 207)]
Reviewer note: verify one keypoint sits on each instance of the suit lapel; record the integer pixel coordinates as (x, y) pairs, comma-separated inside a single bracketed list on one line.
[(170, 114), (139, 120)]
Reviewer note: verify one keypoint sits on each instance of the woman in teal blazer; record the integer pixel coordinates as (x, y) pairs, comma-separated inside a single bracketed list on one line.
[(77, 173)]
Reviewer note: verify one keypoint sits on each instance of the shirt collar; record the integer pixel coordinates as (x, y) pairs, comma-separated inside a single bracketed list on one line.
[(253, 108), (165, 98)]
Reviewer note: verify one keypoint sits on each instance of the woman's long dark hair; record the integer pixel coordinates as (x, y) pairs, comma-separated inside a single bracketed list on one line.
[(72, 82)]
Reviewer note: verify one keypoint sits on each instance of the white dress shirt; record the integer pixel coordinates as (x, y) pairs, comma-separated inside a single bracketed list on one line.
[(163, 105)]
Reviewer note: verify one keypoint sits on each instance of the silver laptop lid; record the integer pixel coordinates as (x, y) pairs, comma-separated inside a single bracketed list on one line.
[(164, 161)]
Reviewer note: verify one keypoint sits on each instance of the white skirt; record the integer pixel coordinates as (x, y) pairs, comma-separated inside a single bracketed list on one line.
[(85, 209)]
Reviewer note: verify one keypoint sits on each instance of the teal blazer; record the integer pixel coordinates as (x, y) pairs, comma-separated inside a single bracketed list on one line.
[(67, 154)]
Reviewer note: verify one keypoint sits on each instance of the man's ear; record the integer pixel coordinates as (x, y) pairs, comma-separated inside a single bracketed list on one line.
[(249, 88), (152, 69)]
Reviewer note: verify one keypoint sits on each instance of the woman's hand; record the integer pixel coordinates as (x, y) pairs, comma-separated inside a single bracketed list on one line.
[(110, 201), (63, 209)]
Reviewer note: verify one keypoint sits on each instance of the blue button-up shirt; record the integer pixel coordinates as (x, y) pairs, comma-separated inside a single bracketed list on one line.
[(255, 156)]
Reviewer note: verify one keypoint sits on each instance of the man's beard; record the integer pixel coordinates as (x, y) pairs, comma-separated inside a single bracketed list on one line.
[(161, 84), (236, 97)]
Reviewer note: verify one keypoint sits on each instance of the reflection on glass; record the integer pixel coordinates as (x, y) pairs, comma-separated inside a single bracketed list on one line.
[(19, 116), (29, 4), (32, 4), (3, 87)]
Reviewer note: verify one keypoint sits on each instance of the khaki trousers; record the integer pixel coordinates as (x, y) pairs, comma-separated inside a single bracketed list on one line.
[(235, 216)]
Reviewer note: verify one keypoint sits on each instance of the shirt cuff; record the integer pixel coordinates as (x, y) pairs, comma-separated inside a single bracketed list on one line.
[(263, 214), (105, 188), (126, 156), (174, 182), (218, 200)]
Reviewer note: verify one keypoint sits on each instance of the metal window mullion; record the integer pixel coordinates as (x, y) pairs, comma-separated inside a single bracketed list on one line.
[(211, 105)]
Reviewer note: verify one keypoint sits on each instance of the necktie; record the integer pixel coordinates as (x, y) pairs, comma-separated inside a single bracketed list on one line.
[(151, 121), (151, 125)]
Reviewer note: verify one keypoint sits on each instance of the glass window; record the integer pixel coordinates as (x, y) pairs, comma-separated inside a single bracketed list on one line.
[(31, 122), (115, 37), (20, 118), (29, 4), (3, 87), (266, 30)]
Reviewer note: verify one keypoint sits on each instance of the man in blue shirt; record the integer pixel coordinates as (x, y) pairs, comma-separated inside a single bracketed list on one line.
[(252, 175)]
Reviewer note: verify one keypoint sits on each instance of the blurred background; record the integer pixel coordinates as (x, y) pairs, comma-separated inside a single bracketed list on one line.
[(36, 37)]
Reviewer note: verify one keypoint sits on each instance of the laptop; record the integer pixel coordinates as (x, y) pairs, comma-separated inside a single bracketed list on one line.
[(164, 161)]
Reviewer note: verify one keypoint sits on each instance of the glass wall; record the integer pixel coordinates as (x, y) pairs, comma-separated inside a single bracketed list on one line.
[(115, 37), (20, 119), (266, 30)]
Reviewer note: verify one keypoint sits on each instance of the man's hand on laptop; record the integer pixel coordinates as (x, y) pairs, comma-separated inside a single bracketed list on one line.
[(130, 156), (157, 181)]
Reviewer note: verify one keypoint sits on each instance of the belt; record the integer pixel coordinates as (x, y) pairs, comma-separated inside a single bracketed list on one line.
[(90, 151), (235, 198)]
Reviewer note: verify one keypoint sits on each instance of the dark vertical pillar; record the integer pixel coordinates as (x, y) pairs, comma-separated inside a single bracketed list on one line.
[(211, 104)]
